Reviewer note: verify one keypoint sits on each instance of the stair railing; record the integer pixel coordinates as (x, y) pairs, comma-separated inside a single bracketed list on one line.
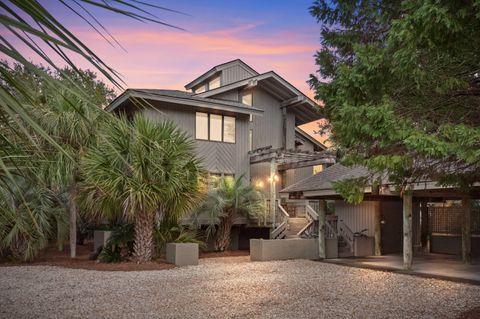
[(311, 228), (331, 230), (280, 231), (346, 233)]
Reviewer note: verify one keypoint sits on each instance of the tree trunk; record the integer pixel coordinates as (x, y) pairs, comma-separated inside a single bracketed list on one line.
[(378, 229), (466, 230), (322, 254), (407, 230), (143, 243), (222, 235), (72, 207)]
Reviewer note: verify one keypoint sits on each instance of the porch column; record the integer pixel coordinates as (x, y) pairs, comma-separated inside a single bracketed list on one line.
[(424, 227), (407, 230), (321, 229), (378, 234), (466, 230)]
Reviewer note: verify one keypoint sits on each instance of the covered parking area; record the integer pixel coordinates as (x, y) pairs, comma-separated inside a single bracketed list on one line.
[(444, 224)]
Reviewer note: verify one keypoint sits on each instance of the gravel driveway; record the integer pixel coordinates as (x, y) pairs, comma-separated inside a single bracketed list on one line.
[(230, 288)]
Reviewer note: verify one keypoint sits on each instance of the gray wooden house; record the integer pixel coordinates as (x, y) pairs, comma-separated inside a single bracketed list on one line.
[(243, 123)]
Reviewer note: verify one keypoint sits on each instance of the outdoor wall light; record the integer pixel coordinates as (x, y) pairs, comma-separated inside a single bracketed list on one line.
[(275, 178)]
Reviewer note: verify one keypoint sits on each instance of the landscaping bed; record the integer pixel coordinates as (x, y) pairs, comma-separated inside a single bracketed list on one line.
[(52, 257)]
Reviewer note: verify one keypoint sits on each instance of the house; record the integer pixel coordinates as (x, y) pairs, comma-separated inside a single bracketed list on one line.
[(437, 223), (243, 123)]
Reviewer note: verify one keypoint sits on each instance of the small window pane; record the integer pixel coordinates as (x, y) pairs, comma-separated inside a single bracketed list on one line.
[(214, 83), (201, 125), (247, 99), (229, 129), (317, 169), (215, 127), (200, 89)]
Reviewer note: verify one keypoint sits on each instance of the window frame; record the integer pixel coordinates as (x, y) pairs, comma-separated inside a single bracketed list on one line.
[(222, 128), (208, 127)]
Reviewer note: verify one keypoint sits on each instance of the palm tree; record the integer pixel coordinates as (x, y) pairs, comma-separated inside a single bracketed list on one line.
[(140, 170), (227, 201)]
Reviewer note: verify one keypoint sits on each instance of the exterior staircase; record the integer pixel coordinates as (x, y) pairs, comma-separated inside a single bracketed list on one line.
[(295, 225)]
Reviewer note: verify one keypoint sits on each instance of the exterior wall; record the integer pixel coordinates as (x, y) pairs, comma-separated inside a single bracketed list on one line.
[(356, 217), (235, 73), (217, 157), (267, 129), (229, 96)]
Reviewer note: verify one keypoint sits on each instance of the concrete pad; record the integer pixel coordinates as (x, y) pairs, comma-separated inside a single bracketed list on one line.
[(182, 254), (429, 265)]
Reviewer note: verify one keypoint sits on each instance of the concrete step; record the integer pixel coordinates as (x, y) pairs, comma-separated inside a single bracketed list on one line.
[(293, 237)]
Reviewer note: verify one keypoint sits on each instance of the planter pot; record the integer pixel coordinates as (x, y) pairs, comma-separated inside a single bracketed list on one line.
[(182, 254), (363, 246), (331, 248), (100, 238)]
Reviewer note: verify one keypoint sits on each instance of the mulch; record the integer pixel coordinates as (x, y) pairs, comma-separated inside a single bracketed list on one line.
[(52, 257), (471, 314)]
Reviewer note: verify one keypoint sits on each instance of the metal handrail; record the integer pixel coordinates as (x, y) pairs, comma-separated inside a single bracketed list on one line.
[(346, 233)]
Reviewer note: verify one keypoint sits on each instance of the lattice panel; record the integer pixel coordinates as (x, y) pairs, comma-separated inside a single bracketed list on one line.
[(448, 220)]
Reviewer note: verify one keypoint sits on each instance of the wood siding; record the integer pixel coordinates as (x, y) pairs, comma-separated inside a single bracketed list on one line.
[(229, 96), (235, 73), (356, 217), (216, 157)]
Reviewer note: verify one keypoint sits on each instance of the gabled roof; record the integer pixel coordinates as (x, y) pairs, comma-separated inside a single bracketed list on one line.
[(217, 69), (310, 138), (323, 180), (305, 109), (183, 98)]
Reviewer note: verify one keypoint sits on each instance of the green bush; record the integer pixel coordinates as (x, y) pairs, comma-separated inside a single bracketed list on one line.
[(120, 244)]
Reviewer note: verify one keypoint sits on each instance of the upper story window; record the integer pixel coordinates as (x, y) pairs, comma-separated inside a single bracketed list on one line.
[(201, 126), (247, 99), (317, 169), (202, 88), (214, 127), (214, 83)]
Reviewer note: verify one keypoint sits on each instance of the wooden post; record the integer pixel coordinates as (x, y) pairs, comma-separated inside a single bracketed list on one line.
[(322, 254), (407, 230), (284, 127), (424, 227), (378, 231), (273, 207), (466, 230)]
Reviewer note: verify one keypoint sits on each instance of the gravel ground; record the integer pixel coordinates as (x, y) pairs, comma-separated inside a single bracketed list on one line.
[(230, 287)]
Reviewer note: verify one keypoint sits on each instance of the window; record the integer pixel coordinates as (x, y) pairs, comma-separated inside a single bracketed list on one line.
[(247, 99), (317, 169), (214, 83), (215, 127), (202, 88), (250, 140), (201, 126), (229, 129)]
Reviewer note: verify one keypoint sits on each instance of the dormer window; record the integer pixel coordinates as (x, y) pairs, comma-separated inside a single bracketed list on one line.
[(202, 88), (214, 83)]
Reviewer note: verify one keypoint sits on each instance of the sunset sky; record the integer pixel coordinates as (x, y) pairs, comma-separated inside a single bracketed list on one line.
[(268, 35)]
